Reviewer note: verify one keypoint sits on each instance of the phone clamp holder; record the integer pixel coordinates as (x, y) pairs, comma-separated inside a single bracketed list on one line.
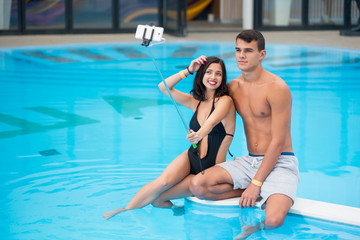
[(146, 42)]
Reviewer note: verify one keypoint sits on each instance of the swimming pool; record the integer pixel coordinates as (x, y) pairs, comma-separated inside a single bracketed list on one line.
[(83, 127)]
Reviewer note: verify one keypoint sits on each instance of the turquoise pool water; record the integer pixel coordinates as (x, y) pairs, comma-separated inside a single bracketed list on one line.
[(83, 127)]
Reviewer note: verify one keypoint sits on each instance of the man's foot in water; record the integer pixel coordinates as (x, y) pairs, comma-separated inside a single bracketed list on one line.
[(246, 231), (112, 213)]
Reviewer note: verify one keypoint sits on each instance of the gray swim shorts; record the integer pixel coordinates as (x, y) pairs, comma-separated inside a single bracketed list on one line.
[(282, 179)]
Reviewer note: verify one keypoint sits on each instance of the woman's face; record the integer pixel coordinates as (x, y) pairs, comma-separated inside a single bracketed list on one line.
[(213, 76)]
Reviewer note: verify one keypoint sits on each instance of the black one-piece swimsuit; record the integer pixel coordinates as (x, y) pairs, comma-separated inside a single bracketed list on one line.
[(215, 138)]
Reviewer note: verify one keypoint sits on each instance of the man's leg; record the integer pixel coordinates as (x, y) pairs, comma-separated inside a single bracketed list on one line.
[(215, 184), (277, 207)]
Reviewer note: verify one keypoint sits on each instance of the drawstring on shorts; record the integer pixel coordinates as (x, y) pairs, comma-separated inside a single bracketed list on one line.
[(254, 162)]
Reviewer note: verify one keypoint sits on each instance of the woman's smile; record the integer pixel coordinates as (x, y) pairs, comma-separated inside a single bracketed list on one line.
[(212, 82)]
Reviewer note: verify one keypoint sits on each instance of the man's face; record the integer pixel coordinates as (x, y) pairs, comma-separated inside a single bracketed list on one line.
[(248, 57)]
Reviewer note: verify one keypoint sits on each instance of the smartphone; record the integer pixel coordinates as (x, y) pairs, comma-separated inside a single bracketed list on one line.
[(157, 36)]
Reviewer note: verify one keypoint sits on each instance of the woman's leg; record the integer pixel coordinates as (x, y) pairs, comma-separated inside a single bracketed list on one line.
[(215, 184), (179, 190), (174, 173)]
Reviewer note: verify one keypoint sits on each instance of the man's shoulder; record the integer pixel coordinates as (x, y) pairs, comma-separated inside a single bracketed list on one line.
[(278, 90), (235, 82), (234, 86), (276, 81)]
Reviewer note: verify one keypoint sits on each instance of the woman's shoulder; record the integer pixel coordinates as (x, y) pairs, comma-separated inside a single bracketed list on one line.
[(194, 103), (225, 101), (225, 98)]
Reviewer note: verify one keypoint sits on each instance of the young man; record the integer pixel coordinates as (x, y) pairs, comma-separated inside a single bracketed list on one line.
[(270, 171)]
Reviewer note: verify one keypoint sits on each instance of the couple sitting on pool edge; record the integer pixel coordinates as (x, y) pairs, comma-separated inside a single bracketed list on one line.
[(263, 100)]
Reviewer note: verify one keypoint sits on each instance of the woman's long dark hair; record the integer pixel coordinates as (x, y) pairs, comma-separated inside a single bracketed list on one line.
[(198, 90)]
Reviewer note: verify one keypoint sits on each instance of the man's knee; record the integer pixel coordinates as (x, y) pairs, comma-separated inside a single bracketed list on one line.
[(277, 207), (197, 187), (274, 219)]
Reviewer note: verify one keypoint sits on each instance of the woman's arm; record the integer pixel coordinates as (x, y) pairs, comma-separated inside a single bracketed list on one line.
[(223, 107), (182, 98)]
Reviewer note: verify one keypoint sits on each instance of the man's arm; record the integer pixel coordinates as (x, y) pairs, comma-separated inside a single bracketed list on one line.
[(280, 102), (232, 86)]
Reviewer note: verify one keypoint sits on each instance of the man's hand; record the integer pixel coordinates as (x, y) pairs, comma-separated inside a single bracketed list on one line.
[(249, 196)]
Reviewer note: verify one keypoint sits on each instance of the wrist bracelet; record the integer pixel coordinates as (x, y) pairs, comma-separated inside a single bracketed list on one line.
[(189, 71), (256, 182), (182, 74)]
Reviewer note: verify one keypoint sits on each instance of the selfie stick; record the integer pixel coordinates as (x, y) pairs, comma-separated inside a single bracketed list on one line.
[(146, 43), (168, 90)]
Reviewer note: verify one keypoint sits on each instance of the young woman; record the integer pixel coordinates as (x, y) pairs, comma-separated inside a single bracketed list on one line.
[(212, 128)]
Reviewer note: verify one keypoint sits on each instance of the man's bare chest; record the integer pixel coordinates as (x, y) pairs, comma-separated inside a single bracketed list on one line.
[(253, 102)]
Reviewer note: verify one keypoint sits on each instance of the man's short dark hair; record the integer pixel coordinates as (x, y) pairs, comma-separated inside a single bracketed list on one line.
[(252, 35)]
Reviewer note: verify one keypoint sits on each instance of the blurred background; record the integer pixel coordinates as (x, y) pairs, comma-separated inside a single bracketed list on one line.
[(178, 17)]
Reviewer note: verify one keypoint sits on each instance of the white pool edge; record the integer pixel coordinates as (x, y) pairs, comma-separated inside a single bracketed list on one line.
[(304, 207)]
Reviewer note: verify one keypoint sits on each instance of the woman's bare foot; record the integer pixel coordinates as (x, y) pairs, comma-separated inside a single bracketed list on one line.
[(112, 213)]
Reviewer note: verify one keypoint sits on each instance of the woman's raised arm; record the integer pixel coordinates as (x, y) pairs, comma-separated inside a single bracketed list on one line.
[(184, 99)]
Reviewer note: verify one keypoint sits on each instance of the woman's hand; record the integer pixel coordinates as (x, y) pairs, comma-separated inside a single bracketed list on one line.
[(193, 137), (196, 63)]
